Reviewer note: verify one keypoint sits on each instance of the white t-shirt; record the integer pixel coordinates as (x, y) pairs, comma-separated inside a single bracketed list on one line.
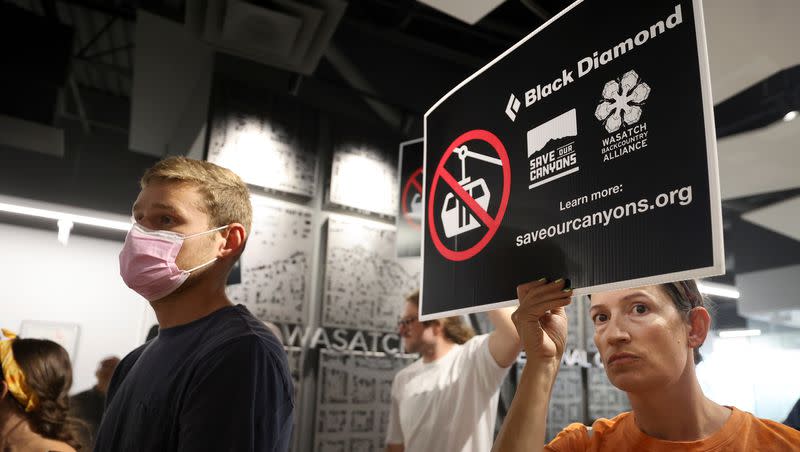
[(448, 405)]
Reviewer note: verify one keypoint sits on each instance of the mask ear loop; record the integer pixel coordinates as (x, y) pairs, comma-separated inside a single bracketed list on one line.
[(205, 232), (201, 233), (201, 266)]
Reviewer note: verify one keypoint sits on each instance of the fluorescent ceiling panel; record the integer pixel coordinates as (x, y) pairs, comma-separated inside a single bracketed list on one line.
[(749, 40), (782, 217), (469, 11), (761, 161), (769, 291)]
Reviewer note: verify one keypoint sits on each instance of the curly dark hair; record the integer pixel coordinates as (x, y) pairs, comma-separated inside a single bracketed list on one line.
[(48, 373)]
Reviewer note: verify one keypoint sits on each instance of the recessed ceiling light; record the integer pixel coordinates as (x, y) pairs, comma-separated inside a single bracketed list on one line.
[(789, 116)]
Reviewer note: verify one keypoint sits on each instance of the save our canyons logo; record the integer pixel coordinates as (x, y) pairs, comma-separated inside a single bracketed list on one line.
[(620, 112)]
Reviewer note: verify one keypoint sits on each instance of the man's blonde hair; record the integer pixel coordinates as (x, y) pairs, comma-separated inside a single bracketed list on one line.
[(227, 199), (455, 328)]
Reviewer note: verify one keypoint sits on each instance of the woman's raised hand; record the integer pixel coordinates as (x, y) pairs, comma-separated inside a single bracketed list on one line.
[(541, 321)]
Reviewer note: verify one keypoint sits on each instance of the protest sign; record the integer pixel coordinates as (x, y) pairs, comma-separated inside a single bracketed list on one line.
[(585, 151), (409, 209)]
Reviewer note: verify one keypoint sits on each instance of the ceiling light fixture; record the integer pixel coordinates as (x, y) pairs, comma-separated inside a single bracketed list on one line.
[(789, 116), (719, 290), (727, 334), (64, 228), (56, 215)]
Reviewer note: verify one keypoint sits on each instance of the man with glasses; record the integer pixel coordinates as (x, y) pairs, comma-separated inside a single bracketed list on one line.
[(447, 400)]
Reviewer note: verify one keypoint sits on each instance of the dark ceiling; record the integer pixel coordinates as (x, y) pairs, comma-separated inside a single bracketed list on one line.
[(411, 55)]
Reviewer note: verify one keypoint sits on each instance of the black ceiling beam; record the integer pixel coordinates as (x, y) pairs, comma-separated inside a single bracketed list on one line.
[(537, 9), (420, 45), (459, 26), (109, 51), (759, 105), (106, 67), (49, 8), (128, 14), (426, 13), (96, 37), (513, 33)]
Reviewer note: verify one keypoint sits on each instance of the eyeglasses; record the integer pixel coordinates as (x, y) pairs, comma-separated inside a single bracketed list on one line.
[(406, 321)]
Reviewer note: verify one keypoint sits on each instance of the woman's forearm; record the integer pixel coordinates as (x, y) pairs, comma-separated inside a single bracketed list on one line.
[(524, 426)]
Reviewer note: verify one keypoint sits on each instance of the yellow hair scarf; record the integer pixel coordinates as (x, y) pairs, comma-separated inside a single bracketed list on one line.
[(13, 376)]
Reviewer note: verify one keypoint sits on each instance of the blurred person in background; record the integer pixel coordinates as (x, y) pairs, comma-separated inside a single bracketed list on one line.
[(447, 400), (793, 419), (88, 405), (34, 396)]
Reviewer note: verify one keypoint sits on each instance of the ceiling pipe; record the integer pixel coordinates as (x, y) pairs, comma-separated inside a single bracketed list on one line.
[(76, 95), (421, 45), (100, 6), (537, 9)]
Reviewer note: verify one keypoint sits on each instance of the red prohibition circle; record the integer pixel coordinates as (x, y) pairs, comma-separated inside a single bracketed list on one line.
[(411, 183), (493, 224)]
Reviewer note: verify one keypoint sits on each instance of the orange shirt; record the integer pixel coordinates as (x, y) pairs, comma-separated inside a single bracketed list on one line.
[(741, 432)]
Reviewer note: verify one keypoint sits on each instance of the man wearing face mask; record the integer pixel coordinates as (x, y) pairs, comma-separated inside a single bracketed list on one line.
[(215, 378)]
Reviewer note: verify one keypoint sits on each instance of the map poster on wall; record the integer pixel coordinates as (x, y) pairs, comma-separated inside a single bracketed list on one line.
[(365, 284), (585, 151), (269, 140), (409, 209), (363, 170), (354, 399), (275, 268)]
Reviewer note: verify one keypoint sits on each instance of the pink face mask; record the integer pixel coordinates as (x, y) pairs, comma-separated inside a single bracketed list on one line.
[(147, 261)]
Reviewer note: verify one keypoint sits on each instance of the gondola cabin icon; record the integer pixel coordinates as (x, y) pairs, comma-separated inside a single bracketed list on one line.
[(415, 208), (456, 217)]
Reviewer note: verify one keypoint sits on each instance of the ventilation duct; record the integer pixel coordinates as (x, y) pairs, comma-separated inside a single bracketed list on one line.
[(287, 34)]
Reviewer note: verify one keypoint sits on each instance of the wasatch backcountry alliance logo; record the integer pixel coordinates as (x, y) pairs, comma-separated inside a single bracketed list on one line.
[(620, 112), (622, 101)]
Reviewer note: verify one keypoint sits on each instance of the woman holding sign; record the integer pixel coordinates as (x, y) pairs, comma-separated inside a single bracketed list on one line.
[(648, 340)]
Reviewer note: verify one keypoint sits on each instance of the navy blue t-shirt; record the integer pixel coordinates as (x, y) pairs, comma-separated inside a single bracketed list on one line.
[(220, 383)]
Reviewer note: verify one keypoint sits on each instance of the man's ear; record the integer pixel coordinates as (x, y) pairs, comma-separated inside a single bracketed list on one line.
[(437, 327), (235, 237), (699, 324)]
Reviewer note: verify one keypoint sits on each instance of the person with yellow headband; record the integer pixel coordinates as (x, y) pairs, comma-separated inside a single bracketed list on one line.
[(34, 398)]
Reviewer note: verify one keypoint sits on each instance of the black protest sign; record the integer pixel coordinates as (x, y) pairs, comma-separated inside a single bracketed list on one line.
[(409, 208), (585, 151)]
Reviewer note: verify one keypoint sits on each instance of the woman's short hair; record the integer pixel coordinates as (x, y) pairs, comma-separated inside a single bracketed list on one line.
[(455, 328), (686, 296)]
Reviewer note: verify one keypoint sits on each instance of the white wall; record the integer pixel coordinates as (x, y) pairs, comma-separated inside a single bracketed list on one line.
[(78, 283), (755, 374)]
